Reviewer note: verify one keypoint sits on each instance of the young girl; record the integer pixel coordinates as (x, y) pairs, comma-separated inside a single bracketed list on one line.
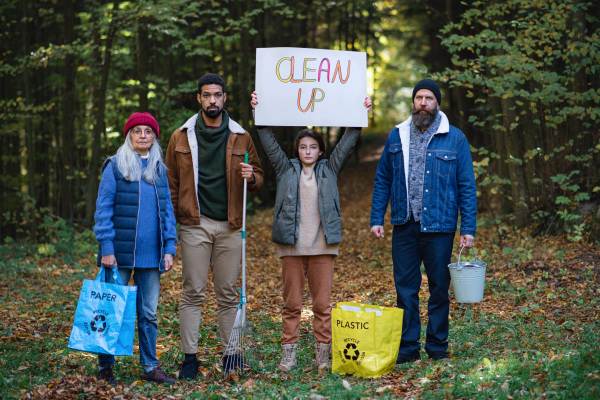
[(307, 228)]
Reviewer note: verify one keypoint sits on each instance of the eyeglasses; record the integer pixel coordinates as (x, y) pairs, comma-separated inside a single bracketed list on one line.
[(147, 132)]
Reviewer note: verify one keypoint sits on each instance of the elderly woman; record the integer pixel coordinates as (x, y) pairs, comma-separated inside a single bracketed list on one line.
[(135, 228)]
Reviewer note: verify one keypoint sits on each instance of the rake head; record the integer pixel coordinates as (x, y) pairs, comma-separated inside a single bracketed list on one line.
[(239, 356)]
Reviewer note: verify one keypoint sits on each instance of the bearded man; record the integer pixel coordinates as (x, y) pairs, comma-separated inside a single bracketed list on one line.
[(206, 171), (427, 171)]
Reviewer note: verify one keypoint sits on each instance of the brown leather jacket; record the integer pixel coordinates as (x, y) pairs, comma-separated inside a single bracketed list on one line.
[(182, 164)]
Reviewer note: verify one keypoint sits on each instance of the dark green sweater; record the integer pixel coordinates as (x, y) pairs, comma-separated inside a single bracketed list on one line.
[(212, 181)]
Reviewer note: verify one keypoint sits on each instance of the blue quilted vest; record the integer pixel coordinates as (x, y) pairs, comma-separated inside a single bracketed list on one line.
[(125, 218)]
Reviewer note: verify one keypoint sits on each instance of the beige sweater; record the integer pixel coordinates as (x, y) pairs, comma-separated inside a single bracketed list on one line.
[(311, 239)]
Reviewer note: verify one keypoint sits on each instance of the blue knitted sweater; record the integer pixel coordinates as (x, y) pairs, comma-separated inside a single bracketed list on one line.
[(147, 245)]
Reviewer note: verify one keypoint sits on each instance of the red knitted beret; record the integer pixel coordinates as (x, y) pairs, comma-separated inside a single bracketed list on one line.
[(141, 119)]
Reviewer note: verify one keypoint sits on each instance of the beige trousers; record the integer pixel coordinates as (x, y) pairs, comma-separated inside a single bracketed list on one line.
[(208, 245), (318, 271)]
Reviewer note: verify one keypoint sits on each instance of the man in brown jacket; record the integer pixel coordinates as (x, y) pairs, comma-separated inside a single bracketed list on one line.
[(206, 172)]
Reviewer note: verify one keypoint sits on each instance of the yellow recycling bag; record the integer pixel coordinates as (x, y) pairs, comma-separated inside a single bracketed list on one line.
[(366, 339)]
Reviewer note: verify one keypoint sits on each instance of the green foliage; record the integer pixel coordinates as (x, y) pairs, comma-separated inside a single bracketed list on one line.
[(532, 66), (579, 230), (65, 238), (520, 254), (68, 95)]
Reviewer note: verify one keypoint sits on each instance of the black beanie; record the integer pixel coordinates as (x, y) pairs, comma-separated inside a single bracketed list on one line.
[(429, 85)]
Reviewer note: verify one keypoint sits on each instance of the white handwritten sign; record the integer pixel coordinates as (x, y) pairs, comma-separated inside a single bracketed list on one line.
[(314, 87)]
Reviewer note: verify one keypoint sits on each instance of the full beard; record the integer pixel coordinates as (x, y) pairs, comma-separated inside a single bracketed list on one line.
[(214, 113), (423, 119)]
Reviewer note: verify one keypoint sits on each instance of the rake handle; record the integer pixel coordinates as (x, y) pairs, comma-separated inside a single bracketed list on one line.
[(243, 297)]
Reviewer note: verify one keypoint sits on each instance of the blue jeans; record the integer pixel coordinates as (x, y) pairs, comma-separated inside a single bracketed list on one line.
[(410, 247), (147, 281)]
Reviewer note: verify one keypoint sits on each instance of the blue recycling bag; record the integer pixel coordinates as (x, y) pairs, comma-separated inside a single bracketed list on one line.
[(105, 317)]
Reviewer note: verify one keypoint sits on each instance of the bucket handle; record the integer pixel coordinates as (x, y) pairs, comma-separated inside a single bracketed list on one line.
[(459, 254)]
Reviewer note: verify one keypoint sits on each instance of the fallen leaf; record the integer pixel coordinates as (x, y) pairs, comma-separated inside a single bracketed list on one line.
[(314, 396), (383, 389), (487, 362), (249, 384), (504, 387)]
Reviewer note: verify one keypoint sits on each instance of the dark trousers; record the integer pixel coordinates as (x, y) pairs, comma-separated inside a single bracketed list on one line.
[(410, 247)]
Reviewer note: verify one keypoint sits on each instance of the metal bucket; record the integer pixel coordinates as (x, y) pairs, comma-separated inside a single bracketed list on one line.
[(468, 279)]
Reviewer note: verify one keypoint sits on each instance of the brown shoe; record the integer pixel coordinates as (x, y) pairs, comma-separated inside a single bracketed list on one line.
[(106, 374), (157, 375)]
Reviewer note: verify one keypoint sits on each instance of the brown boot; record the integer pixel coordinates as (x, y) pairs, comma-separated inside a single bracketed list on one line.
[(106, 374), (157, 375), (322, 351), (288, 357)]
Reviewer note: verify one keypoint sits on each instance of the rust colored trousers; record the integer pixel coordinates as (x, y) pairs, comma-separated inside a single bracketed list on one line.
[(318, 271)]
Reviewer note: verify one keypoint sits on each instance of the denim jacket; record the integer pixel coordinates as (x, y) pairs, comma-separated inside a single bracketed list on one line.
[(448, 184)]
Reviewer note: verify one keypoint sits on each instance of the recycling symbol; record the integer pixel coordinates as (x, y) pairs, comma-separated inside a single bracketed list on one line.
[(348, 352), (101, 321)]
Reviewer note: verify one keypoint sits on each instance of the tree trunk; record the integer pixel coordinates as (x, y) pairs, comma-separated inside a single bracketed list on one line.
[(100, 125), (43, 149), (517, 178), (67, 203), (143, 59), (168, 62), (530, 138), (29, 128), (579, 85), (244, 74), (501, 165)]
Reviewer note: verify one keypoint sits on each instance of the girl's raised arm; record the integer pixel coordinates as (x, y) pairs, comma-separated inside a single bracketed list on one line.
[(276, 156), (342, 151)]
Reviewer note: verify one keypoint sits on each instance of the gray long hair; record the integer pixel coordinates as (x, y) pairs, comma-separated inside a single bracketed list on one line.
[(130, 163)]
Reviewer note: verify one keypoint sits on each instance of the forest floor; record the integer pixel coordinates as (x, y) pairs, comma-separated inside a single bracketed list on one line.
[(535, 334)]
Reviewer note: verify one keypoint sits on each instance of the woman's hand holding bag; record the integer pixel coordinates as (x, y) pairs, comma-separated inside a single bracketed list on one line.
[(108, 261)]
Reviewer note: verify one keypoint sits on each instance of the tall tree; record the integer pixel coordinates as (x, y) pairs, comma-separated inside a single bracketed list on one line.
[(68, 113), (100, 112), (29, 133), (143, 63)]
